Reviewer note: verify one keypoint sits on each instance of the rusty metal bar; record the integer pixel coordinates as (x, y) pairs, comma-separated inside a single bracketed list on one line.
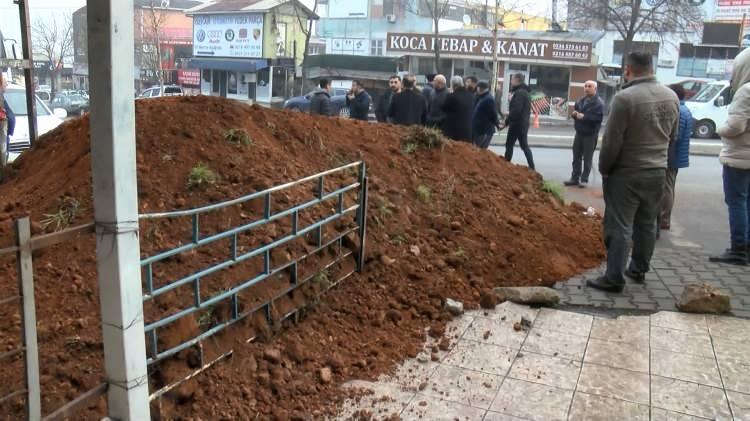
[(70, 408), (48, 240)]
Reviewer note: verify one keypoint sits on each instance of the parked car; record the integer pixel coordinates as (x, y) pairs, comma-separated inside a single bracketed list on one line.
[(72, 104), (46, 119), (155, 92), (692, 87), (338, 102), (44, 96), (709, 108)]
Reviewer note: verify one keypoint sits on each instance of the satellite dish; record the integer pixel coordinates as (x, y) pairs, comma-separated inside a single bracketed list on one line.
[(467, 20)]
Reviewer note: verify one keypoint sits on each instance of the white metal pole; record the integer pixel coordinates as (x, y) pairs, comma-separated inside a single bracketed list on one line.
[(493, 81), (110, 42)]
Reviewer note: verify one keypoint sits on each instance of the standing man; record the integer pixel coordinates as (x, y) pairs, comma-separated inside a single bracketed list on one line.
[(679, 157), (642, 123), (517, 121), (435, 113), (408, 107), (485, 119), (320, 103), (471, 84), (394, 87), (358, 101), (735, 160), (458, 110), (427, 89), (588, 116)]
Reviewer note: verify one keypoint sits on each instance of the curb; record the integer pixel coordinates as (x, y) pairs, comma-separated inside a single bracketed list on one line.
[(695, 150)]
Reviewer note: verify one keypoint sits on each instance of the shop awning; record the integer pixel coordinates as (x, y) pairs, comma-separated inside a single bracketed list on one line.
[(232, 65), (363, 63)]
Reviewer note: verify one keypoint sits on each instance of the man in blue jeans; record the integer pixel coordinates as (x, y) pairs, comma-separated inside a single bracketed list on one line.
[(735, 156)]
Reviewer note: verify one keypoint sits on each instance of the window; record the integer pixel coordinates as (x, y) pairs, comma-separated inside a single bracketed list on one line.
[(232, 84), (17, 103), (704, 61), (648, 47), (206, 75), (315, 50), (215, 86), (388, 8), (173, 90), (376, 47)]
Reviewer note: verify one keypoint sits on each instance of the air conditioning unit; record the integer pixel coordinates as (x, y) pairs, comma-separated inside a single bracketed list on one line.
[(391, 18)]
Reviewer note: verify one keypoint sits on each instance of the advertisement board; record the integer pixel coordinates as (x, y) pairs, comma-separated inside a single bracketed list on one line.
[(189, 77), (235, 36), (732, 11)]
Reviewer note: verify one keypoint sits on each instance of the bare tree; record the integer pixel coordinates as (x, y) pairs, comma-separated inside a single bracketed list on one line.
[(306, 26), (435, 10), (631, 17), (53, 40), (153, 23)]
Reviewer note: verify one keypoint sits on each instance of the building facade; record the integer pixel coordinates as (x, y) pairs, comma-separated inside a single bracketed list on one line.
[(555, 64), (249, 50), (163, 44)]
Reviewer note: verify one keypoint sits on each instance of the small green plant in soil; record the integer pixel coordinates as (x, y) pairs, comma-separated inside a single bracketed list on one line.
[(417, 137), (206, 319), (67, 211), (200, 175), (554, 189), (238, 137), (424, 194)]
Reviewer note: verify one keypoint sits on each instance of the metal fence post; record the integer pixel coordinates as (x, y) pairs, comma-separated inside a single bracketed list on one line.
[(362, 216), (28, 315)]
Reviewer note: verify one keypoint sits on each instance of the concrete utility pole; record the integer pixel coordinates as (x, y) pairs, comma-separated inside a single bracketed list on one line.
[(23, 12), (493, 81), (110, 45)]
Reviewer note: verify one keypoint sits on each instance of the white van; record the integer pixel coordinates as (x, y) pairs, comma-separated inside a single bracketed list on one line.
[(46, 120), (709, 108)]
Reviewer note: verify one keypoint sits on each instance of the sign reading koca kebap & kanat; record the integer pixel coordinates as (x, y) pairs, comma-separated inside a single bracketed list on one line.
[(539, 49)]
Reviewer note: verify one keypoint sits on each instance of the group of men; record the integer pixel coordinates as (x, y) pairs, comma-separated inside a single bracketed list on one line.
[(466, 111)]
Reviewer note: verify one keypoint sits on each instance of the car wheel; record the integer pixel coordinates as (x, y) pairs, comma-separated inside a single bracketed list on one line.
[(705, 129), (295, 110), (344, 113)]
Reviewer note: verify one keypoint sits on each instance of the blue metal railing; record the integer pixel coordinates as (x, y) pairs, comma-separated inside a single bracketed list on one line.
[(234, 257)]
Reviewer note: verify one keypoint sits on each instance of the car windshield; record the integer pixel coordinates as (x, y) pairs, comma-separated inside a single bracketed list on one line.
[(17, 102), (708, 93), (77, 98)]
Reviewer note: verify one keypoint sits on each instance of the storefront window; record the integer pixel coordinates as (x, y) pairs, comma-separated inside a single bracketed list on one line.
[(232, 84), (702, 61), (279, 88), (263, 90), (549, 90)]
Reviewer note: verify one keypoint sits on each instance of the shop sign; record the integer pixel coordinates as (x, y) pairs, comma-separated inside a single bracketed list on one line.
[(483, 47), (236, 36), (189, 77)]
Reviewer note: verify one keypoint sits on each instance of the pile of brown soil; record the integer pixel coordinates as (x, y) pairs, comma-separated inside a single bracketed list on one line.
[(445, 222)]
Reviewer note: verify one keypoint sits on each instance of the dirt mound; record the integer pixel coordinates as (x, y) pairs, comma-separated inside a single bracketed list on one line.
[(445, 221)]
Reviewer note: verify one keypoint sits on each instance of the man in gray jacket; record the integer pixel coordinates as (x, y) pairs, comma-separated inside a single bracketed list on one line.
[(643, 121), (320, 102)]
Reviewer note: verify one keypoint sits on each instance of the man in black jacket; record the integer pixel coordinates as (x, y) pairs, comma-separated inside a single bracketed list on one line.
[(358, 101), (381, 112), (458, 110), (588, 115), (517, 120), (320, 103), (435, 113), (408, 107)]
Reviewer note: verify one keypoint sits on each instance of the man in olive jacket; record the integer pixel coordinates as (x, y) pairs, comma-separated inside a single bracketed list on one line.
[(642, 124)]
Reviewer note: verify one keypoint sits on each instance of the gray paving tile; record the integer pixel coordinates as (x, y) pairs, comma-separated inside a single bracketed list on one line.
[(727, 349), (410, 375), (680, 321), (511, 312), (735, 374), (556, 344), (532, 401), (681, 341), (383, 401), (543, 369), (627, 329), (658, 414), (496, 416), (564, 322), (463, 386), (615, 383), (691, 368), (495, 332), (487, 358), (424, 407), (598, 408), (740, 405), (618, 355), (731, 328), (689, 398)]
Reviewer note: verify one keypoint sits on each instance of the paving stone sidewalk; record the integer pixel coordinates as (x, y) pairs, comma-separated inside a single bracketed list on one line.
[(572, 366), (672, 270)]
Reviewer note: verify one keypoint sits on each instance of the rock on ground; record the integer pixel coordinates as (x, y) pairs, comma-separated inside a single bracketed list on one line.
[(530, 295), (454, 307), (704, 298)]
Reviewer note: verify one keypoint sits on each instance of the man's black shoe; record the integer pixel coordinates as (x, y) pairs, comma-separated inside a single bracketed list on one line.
[(571, 183), (604, 284), (637, 277), (731, 256)]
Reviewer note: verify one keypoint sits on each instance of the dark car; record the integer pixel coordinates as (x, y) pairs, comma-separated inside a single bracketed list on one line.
[(73, 104), (338, 102)]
